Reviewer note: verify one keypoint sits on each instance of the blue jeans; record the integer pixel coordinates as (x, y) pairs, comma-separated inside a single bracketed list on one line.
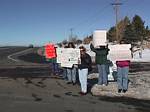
[(122, 77), (64, 73), (71, 74), (83, 79), (103, 77), (55, 68)]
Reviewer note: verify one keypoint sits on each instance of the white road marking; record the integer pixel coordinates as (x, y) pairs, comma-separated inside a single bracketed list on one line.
[(16, 60)]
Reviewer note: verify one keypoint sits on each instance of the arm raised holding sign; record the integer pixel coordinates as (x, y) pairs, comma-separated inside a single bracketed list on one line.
[(101, 61), (122, 73)]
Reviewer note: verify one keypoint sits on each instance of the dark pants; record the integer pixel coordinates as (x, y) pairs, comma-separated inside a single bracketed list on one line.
[(55, 68)]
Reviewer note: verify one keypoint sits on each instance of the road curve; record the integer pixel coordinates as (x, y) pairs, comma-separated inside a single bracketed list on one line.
[(16, 54)]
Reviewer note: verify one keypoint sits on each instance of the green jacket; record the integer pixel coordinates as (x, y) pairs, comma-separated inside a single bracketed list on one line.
[(101, 54), (52, 60)]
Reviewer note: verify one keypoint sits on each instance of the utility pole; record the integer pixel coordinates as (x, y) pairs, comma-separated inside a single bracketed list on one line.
[(116, 7), (71, 33)]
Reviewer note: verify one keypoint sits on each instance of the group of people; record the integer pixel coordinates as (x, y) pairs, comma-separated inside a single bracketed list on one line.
[(85, 63)]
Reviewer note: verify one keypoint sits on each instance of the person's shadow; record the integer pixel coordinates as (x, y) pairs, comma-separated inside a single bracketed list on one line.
[(92, 82)]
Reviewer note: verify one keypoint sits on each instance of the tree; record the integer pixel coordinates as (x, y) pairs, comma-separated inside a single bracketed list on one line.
[(130, 34), (147, 33), (88, 39), (31, 46), (139, 28), (111, 34), (122, 25), (131, 31)]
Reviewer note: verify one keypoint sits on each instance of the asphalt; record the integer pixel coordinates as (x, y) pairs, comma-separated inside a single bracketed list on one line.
[(29, 86)]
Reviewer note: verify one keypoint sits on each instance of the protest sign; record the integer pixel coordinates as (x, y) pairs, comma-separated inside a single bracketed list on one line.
[(99, 38), (50, 51), (119, 52), (68, 56)]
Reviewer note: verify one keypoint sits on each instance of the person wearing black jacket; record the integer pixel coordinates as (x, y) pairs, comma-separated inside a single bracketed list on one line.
[(83, 67)]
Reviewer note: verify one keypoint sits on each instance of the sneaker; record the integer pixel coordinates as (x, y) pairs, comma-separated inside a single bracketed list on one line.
[(104, 85), (73, 83), (69, 82), (119, 90), (124, 90)]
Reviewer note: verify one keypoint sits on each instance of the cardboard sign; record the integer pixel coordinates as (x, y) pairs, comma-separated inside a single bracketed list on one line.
[(68, 56), (50, 51), (99, 38), (119, 52)]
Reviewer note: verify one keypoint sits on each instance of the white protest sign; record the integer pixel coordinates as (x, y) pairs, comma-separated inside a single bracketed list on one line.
[(119, 52), (99, 38), (68, 56), (59, 52)]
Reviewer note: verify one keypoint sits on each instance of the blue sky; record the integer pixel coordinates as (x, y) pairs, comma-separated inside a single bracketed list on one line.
[(37, 22)]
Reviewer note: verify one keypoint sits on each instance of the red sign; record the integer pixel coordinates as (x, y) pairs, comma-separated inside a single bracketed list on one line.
[(50, 51)]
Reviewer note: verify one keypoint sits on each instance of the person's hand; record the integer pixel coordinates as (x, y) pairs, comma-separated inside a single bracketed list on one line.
[(79, 61), (76, 66)]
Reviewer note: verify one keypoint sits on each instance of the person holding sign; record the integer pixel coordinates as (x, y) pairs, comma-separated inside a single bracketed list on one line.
[(71, 72), (83, 69), (122, 73), (50, 54), (101, 61)]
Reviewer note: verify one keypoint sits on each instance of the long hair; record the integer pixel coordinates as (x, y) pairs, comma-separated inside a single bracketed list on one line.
[(71, 45), (83, 48)]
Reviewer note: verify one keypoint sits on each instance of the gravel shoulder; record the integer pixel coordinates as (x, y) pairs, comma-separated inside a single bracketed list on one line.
[(139, 87)]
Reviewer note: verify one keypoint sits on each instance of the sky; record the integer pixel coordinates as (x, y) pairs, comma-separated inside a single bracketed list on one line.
[(24, 22)]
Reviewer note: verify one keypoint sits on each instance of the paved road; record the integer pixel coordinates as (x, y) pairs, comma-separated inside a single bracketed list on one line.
[(22, 91), (49, 94), (5, 52), (9, 55)]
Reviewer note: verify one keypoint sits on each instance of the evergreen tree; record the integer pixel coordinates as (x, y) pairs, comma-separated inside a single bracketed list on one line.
[(139, 28), (130, 34), (147, 33), (111, 34), (122, 25)]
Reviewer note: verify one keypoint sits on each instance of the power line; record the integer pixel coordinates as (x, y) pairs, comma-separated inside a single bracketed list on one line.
[(91, 25), (87, 21), (93, 16)]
